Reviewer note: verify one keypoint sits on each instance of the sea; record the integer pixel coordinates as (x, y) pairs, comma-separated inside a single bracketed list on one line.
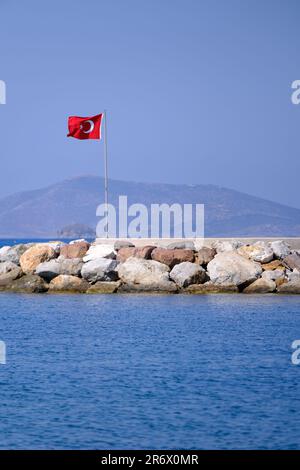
[(149, 372)]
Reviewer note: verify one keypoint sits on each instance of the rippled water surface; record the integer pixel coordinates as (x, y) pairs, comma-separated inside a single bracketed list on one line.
[(149, 372)]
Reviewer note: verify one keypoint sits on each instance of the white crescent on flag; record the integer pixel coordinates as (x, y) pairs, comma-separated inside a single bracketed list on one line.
[(92, 125)]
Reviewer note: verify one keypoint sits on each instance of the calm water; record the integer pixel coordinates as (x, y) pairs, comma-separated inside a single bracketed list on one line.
[(149, 372), (15, 241)]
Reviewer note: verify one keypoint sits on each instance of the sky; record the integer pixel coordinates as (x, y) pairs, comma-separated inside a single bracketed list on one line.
[(196, 91)]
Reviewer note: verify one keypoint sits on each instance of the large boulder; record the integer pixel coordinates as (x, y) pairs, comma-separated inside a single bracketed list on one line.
[(259, 251), (69, 284), (143, 252), (36, 255), (292, 261), (145, 275), (172, 257), (222, 246), (280, 249), (100, 251), (205, 255), (230, 268), (13, 253), (291, 287), (50, 269), (75, 250), (261, 286), (100, 269), (104, 287), (30, 283), (187, 273), (210, 288)]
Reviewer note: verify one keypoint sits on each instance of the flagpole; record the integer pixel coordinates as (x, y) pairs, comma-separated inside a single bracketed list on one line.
[(105, 170)]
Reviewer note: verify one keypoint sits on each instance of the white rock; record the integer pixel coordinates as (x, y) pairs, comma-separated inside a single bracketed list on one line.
[(230, 268), (144, 274), (186, 273), (100, 269), (100, 251), (77, 241), (293, 275), (273, 275), (4, 250), (280, 248), (60, 266), (13, 253), (226, 245), (7, 266), (259, 251)]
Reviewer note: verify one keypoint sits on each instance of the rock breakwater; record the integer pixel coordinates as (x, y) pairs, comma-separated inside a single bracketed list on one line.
[(79, 267)]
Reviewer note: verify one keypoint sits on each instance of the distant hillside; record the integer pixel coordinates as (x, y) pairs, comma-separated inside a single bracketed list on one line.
[(44, 212)]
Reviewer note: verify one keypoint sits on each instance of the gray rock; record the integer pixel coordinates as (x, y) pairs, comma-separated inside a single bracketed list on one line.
[(261, 286), (30, 283), (293, 275), (60, 266), (7, 266), (230, 268), (292, 261), (13, 253), (145, 275), (123, 244), (291, 287), (273, 275), (205, 255), (6, 279), (100, 269), (184, 245), (187, 273), (280, 248)]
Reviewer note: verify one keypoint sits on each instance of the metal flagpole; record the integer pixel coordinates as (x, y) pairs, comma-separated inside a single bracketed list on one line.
[(105, 171)]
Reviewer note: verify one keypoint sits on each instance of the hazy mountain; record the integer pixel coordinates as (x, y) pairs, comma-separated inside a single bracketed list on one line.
[(44, 212)]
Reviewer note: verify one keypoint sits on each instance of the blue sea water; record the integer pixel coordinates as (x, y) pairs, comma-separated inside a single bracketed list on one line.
[(153, 372), (16, 241)]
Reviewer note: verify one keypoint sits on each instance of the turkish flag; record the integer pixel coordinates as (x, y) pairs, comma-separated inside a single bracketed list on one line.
[(85, 127)]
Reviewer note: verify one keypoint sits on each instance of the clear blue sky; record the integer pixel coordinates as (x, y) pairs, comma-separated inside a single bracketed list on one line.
[(198, 91)]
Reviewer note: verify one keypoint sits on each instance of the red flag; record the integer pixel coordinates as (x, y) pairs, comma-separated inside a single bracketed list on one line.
[(85, 127)]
